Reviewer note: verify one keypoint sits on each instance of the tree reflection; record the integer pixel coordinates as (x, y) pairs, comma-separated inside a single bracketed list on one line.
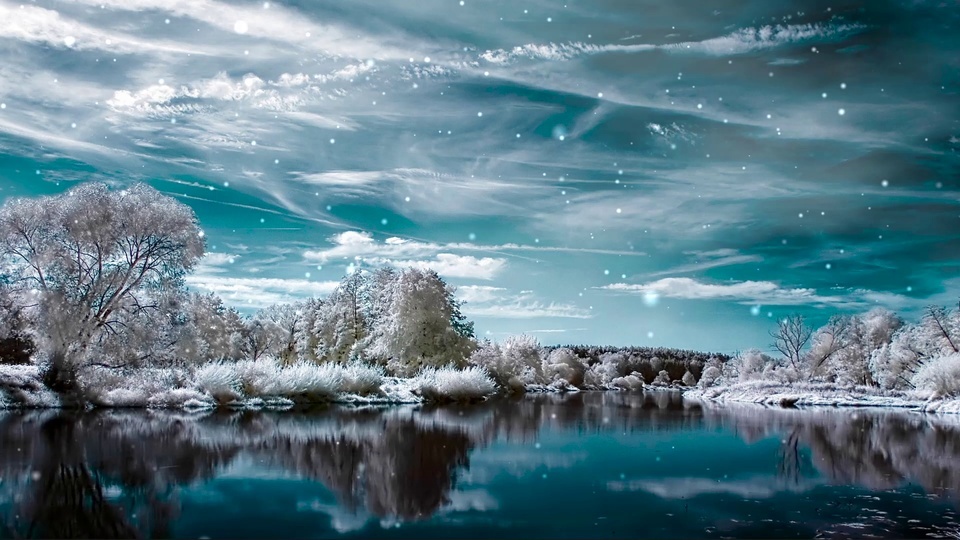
[(119, 474)]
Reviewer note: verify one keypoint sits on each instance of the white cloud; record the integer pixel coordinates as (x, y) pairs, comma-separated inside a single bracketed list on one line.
[(526, 309), (214, 262), (259, 292), (479, 293), (749, 292), (455, 266), (499, 302), (759, 293)]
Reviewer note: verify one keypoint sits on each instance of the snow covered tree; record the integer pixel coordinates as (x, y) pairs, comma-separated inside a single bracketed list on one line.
[(213, 331), (827, 342), (91, 254), (790, 337), (341, 324), (273, 331), (414, 327)]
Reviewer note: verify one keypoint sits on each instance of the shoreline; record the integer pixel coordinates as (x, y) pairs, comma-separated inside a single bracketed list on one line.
[(812, 396)]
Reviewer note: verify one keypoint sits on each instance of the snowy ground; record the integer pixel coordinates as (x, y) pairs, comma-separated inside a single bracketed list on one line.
[(822, 395)]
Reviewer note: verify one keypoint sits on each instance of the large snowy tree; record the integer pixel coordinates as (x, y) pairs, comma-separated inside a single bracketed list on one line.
[(90, 255), (418, 322)]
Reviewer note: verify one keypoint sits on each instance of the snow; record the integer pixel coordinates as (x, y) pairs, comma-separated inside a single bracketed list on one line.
[(822, 395)]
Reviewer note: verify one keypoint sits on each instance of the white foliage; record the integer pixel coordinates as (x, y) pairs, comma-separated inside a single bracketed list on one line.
[(414, 328), (450, 384), (711, 374), (563, 365), (662, 378), (259, 377), (939, 377), (361, 379), (308, 380), (747, 366), (688, 379), (517, 359), (629, 382), (219, 379), (93, 256)]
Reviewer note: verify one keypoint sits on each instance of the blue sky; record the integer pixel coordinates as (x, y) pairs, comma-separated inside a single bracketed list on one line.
[(605, 171)]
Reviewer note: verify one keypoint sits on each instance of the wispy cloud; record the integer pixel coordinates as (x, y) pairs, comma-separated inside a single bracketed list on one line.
[(705, 260), (741, 41), (48, 27), (350, 244)]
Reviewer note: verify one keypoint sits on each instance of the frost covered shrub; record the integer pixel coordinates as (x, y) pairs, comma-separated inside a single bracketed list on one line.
[(523, 353), (308, 381), (781, 374), (258, 377), (563, 365), (128, 387), (688, 379), (662, 379), (940, 377), (20, 386), (747, 366), (361, 379), (219, 379), (710, 376), (511, 365), (450, 384), (630, 382)]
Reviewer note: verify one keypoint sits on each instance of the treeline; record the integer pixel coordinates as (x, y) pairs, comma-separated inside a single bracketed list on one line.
[(877, 349), (650, 361)]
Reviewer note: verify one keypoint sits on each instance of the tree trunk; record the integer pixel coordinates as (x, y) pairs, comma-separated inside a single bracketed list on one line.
[(61, 377)]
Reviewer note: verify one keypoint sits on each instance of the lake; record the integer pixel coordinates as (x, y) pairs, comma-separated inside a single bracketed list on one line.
[(594, 465)]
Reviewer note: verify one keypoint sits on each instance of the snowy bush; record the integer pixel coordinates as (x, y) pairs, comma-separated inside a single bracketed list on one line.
[(630, 382), (939, 377), (219, 379), (361, 379), (688, 379), (513, 364), (711, 374), (20, 386), (308, 381), (662, 379), (258, 377), (747, 366), (563, 364), (450, 384)]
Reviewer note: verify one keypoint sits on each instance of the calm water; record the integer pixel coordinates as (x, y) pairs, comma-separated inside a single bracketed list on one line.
[(587, 465)]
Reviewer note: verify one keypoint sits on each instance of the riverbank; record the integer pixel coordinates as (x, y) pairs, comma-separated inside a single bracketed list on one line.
[(823, 395), (246, 385)]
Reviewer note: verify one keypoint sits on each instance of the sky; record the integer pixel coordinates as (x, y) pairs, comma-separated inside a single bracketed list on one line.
[(624, 172)]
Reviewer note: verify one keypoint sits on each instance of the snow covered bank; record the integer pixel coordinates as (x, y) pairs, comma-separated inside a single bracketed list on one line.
[(261, 384), (823, 395)]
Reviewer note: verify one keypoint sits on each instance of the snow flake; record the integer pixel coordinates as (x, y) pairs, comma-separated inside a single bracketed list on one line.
[(241, 27)]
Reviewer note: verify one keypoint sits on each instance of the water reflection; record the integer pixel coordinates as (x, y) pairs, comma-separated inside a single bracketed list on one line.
[(121, 474)]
